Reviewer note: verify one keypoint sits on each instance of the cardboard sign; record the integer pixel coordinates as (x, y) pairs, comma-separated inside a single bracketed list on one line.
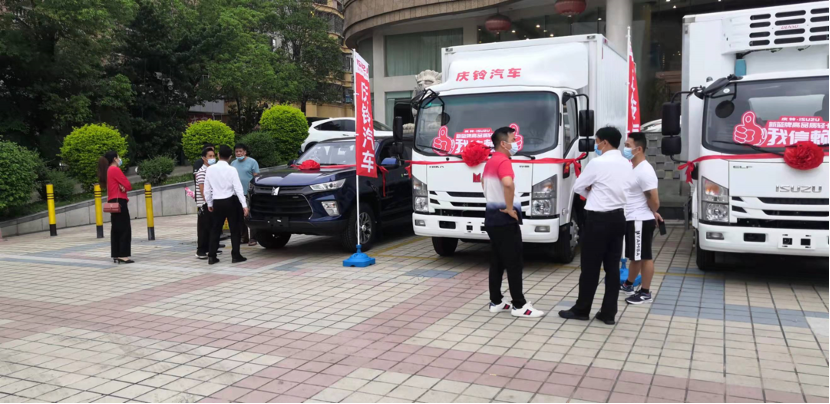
[(786, 131)]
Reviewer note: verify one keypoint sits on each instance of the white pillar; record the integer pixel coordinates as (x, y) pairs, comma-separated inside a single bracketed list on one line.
[(618, 14)]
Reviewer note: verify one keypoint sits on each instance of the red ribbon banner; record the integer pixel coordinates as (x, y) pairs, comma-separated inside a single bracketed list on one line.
[(690, 166)]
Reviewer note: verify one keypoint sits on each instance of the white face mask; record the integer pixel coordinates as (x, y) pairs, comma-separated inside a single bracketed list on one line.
[(514, 148)]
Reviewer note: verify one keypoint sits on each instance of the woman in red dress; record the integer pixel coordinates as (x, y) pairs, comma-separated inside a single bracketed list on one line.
[(109, 172)]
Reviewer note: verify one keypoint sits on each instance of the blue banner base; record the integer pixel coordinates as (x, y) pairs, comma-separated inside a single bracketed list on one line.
[(624, 273), (359, 260)]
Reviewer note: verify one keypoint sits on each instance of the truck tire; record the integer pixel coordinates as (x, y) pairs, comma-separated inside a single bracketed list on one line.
[(705, 259), (272, 241), (369, 226), (564, 250), (444, 246)]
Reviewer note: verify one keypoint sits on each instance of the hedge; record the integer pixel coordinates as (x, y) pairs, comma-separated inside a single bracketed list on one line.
[(289, 127), (62, 185), (199, 133), (18, 174), (85, 145), (156, 169), (262, 147)]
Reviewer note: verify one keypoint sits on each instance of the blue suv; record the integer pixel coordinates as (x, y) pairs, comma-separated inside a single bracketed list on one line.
[(289, 201)]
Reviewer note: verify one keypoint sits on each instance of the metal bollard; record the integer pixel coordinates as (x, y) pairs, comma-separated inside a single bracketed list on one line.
[(99, 213), (50, 206), (148, 201)]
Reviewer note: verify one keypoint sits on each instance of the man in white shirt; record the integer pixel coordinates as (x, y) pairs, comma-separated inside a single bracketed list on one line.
[(602, 183), (221, 186), (641, 219)]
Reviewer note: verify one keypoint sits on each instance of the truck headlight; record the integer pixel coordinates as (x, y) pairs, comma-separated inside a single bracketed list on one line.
[(543, 198), (331, 208), (714, 205), (328, 186), (420, 196)]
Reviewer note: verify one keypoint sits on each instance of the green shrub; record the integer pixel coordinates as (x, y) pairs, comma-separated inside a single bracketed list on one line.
[(199, 133), (18, 174), (156, 170), (62, 185), (262, 147), (85, 145), (289, 127)]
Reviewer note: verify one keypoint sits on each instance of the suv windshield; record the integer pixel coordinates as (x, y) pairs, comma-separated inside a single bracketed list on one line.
[(474, 117), (770, 114), (331, 153)]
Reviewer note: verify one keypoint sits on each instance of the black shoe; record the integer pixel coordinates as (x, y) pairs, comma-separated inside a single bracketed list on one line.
[(606, 321), (202, 256), (126, 261), (639, 298), (570, 315), (238, 259), (212, 260), (222, 246), (219, 252)]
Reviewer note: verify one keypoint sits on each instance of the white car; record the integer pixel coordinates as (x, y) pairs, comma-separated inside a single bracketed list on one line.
[(334, 128), (652, 126)]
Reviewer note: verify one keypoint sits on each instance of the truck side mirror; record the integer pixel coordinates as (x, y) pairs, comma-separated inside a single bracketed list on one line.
[(671, 145), (586, 124), (671, 119), (586, 145), (397, 129)]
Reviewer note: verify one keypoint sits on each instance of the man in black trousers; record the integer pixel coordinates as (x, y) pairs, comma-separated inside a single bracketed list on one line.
[(602, 183), (222, 185)]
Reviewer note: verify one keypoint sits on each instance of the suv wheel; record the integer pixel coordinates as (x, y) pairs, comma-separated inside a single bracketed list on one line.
[(272, 241), (368, 229), (444, 246)]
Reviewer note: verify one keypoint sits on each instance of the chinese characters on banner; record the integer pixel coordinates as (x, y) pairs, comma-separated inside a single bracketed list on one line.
[(633, 94), (786, 131), (455, 145), (493, 74), (365, 135)]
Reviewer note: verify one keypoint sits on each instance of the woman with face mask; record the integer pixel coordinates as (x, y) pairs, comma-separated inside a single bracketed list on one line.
[(109, 173)]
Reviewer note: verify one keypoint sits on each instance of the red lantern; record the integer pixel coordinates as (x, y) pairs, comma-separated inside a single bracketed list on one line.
[(497, 23), (569, 7)]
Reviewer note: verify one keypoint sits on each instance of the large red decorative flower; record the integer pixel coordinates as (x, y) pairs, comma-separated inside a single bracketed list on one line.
[(475, 153), (804, 155), (309, 165)]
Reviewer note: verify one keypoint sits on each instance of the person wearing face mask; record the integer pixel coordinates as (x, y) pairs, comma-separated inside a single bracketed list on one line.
[(109, 173), (641, 219), (248, 168), (203, 218), (502, 217), (602, 183)]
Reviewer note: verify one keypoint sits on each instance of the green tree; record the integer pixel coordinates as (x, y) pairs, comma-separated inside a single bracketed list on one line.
[(85, 145), (199, 133), (52, 57), (289, 128), (20, 168)]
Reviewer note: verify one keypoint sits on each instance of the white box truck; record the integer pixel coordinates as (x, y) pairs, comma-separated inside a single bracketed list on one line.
[(758, 83), (552, 91)]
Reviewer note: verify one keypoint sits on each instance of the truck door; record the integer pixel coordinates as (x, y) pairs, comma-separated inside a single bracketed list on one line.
[(570, 150), (397, 201)]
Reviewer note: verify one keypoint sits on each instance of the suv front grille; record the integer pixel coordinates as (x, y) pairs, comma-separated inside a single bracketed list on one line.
[(291, 206)]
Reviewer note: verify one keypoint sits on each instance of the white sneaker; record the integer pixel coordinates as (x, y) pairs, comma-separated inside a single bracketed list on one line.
[(498, 308), (527, 311)]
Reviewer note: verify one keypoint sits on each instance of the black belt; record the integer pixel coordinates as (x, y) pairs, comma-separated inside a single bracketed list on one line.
[(607, 212)]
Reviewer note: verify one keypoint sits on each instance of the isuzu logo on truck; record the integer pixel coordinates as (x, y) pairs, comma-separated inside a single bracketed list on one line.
[(804, 189)]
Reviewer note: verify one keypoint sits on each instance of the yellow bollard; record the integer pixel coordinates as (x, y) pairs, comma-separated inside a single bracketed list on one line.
[(50, 205), (148, 200), (99, 213), (225, 226)]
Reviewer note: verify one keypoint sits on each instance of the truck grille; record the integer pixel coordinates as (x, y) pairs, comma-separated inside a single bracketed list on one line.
[(291, 206), (795, 201), (784, 224)]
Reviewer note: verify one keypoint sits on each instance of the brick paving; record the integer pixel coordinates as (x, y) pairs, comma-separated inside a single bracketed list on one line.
[(294, 325)]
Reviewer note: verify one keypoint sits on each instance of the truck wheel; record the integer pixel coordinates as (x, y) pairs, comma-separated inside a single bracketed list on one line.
[(272, 241), (564, 250), (705, 259), (444, 246), (368, 230)]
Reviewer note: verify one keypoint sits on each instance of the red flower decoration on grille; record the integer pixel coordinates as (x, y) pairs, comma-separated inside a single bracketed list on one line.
[(475, 153), (804, 155), (309, 165)]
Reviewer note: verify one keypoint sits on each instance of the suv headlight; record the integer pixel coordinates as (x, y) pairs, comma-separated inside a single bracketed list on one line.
[(328, 186), (420, 196), (714, 201), (543, 198)]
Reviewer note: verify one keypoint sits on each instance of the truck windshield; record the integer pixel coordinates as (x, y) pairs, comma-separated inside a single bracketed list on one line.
[(474, 117), (331, 153), (767, 115)]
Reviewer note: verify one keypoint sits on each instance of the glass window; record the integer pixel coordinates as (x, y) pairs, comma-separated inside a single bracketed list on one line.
[(332, 126), (591, 21), (366, 51), (347, 125), (331, 153), (380, 126), (569, 122), (474, 117), (413, 53), (396, 98)]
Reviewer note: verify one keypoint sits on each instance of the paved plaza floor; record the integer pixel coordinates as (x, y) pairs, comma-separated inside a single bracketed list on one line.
[(294, 325)]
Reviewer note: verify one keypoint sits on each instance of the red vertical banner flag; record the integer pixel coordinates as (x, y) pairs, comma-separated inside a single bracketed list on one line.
[(633, 117), (364, 128)]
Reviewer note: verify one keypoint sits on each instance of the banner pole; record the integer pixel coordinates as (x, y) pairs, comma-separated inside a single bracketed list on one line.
[(357, 220)]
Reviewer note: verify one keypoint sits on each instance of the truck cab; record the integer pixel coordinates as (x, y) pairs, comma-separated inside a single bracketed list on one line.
[(322, 201), (758, 84), (544, 90)]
